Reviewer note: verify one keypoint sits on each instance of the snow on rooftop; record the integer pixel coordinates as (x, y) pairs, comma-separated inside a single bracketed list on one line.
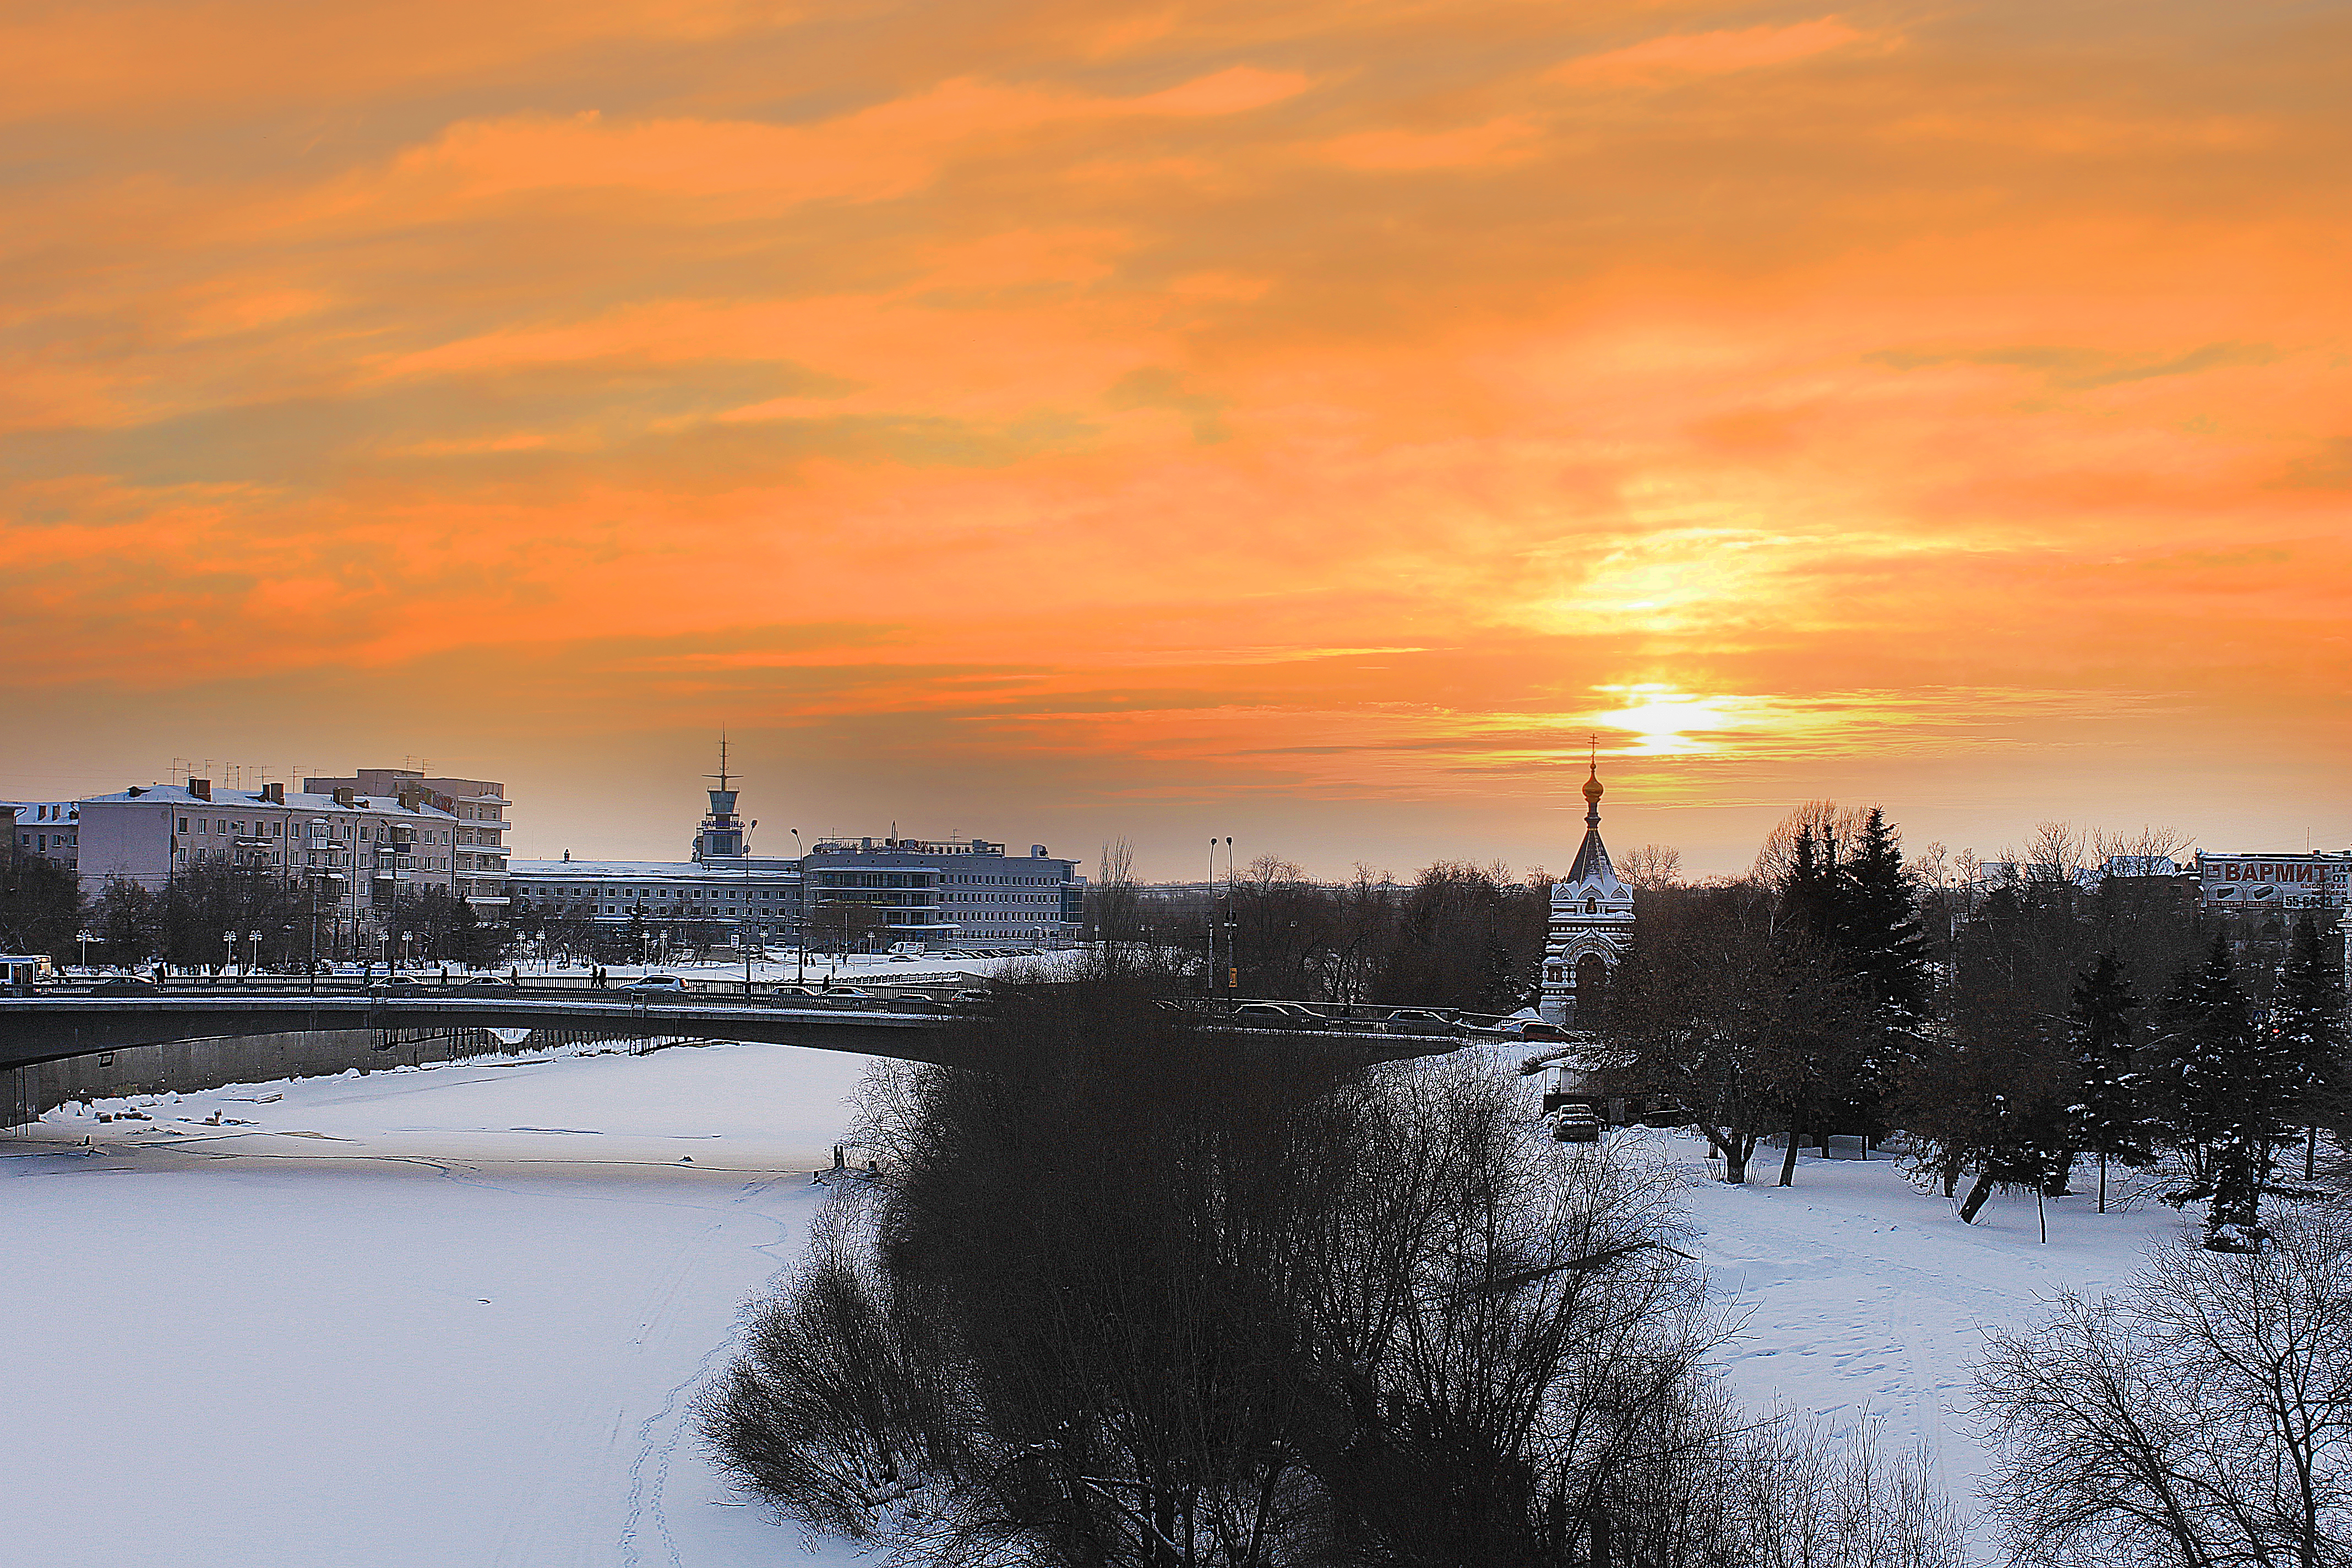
[(644, 870), (180, 795)]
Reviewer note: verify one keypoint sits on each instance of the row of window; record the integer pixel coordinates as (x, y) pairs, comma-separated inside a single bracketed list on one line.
[(924, 879), (560, 895), (277, 829)]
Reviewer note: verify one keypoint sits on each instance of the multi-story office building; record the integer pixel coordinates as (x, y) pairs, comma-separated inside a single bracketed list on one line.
[(725, 890), (955, 894), (479, 854), (356, 853), (746, 900), (863, 891), (47, 830)]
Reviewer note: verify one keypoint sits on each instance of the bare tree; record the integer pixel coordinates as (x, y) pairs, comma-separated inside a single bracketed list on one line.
[(1651, 867), (2139, 847), (1112, 899), (2202, 1419), (1362, 934), (2055, 854), (1753, 1025)]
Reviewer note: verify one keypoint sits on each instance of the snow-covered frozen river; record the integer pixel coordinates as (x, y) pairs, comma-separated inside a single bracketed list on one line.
[(448, 1316), (454, 1315)]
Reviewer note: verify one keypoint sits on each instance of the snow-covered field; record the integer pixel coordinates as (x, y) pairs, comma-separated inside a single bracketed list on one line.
[(1860, 1296), (454, 1315)]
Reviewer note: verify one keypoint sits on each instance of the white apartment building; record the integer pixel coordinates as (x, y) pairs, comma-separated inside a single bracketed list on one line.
[(356, 852), (479, 806), (47, 830)]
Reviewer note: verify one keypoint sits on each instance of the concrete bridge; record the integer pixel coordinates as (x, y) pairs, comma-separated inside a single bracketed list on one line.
[(35, 1029)]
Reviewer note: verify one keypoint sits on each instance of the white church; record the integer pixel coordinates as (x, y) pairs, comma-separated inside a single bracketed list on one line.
[(1591, 923)]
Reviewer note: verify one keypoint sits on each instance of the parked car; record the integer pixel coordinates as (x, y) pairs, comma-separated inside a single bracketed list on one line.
[(1420, 1021), (124, 988), (653, 985), (1275, 1014), (1512, 1026), (1575, 1124), (910, 1002)]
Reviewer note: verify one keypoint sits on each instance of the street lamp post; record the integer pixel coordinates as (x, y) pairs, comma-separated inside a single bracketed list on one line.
[(743, 924), (230, 961), (86, 938), (1210, 887), (800, 944)]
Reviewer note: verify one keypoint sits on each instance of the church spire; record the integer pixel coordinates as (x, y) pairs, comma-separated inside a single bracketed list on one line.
[(1591, 917)]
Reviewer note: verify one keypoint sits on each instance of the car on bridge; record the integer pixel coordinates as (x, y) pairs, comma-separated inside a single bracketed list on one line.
[(912, 1002), (653, 985), (1420, 1021), (1276, 1015), (125, 987), (1512, 1028)]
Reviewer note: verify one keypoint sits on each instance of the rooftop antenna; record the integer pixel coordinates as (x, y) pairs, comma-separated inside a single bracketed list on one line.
[(721, 774)]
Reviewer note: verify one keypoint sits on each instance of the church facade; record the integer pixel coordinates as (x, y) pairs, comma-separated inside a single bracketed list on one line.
[(1592, 923)]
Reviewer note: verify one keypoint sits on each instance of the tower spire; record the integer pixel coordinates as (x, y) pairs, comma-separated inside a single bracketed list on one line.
[(722, 831), (1592, 790)]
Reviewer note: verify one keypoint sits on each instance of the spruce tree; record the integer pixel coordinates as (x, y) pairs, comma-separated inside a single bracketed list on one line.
[(2106, 1117), (1809, 891), (2307, 1022), (2229, 1088), (1876, 923)]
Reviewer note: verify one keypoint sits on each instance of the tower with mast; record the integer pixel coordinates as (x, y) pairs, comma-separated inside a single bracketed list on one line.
[(722, 835)]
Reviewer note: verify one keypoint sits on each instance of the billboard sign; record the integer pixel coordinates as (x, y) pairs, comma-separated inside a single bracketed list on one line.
[(2274, 881)]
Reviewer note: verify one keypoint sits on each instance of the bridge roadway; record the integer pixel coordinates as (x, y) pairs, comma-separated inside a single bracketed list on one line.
[(54, 1028)]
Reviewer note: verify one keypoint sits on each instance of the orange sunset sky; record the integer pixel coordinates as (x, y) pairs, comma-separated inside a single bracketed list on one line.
[(1307, 422)]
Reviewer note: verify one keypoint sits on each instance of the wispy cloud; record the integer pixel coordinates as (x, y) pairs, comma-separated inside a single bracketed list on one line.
[(1295, 404)]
